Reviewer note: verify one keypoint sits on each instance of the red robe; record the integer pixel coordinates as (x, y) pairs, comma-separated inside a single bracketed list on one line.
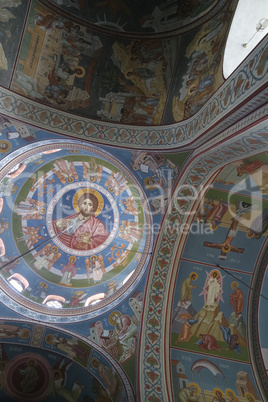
[(93, 226)]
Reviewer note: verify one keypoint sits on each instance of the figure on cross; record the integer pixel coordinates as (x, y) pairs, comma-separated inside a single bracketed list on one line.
[(226, 245)]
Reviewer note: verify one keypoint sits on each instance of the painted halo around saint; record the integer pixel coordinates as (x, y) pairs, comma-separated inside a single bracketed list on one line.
[(79, 221)]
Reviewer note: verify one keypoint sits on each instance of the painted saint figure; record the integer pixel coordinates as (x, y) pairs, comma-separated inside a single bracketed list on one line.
[(47, 254), (77, 298), (39, 290), (259, 225), (82, 231), (219, 395), (107, 375), (237, 299), (213, 288), (186, 334), (68, 272), (125, 330), (188, 394), (31, 377), (207, 342), (186, 288), (58, 384), (219, 213)]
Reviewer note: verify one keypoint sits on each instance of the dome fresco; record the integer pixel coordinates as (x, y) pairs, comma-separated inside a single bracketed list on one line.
[(146, 19), (69, 253), (96, 73), (65, 368), (133, 203)]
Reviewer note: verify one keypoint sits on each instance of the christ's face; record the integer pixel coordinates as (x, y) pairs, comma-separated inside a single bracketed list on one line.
[(86, 207)]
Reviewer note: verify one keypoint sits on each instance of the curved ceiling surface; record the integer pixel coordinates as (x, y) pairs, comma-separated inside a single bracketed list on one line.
[(217, 270), (133, 197), (79, 221), (77, 68), (153, 17)]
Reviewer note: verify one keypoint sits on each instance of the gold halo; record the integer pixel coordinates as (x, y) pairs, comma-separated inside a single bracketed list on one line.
[(42, 210), (249, 236), (82, 74), (148, 185), (196, 385), (79, 292), (82, 191), (25, 333), (72, 256), (8, 146), (190, 92), (70, 179), (49, 339), (6, 225), (249, 394), (44, 284), (110, 317), (95, 361), (14, 189), (217, 389), (234, 283), (54, 249), (195, 275), (212, 228), (230, 391), (93, 256), (226, 250), (217, 272)]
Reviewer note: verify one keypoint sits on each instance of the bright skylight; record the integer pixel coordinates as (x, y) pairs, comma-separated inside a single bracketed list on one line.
[(246, 18)]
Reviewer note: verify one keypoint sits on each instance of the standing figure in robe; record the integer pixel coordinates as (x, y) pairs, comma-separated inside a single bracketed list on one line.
[(212, 290), (237, 299)]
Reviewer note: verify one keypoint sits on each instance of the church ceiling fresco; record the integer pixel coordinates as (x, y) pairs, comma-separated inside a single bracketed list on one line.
[(210, 312), (131, 81), (227, 102), (145, 262), (57, 188), (152, 17), (50, 279), (179, 218), (62, 367), (228, 231), (50, 190)]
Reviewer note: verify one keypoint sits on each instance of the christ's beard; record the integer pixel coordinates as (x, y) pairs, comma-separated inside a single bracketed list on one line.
[(87, 214)]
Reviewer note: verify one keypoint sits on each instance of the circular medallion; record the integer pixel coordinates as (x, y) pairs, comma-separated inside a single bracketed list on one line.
[(27, 377), (80, 223), (63, 226)]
